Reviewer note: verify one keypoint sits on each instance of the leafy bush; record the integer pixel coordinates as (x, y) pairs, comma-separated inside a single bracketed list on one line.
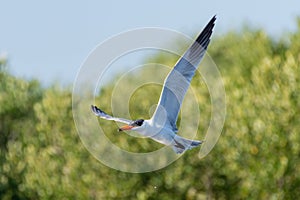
[(256, 157)]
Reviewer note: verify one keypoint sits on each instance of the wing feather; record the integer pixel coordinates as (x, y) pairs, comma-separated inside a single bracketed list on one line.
[(100, 113), (178, 80)]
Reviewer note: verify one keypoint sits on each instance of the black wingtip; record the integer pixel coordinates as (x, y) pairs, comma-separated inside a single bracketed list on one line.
[(95, 109), (213, 20), (204, 37)]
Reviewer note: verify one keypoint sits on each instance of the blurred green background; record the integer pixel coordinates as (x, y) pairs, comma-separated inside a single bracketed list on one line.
[(256, 157)]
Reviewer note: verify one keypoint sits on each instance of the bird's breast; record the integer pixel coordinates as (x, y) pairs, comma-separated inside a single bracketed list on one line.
[(161, 134)]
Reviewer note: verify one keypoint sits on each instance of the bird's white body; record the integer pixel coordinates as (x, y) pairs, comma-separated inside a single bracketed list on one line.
[(162, 126), (165, 135), (161, 134)]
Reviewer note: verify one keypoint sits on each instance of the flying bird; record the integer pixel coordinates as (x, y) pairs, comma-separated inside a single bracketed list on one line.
[(161, 127)]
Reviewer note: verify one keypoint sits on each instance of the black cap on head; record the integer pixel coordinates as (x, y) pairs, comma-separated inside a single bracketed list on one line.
[(138, 122)]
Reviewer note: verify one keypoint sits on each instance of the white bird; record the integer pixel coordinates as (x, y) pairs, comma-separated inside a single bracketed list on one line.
[(162, 125)]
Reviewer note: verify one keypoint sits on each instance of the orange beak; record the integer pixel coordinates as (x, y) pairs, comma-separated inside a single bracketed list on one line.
[(126, 128)]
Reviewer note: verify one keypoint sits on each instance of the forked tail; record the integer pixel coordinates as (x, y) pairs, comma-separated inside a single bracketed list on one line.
[(181, 144)]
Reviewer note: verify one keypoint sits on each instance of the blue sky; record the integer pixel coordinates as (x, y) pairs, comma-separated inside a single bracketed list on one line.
[(49, 40)]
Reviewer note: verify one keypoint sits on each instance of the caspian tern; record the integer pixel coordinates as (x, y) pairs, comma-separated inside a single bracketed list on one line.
[(162, 125)]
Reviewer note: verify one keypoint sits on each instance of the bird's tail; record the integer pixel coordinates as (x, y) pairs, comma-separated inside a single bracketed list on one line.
[(181, 144)]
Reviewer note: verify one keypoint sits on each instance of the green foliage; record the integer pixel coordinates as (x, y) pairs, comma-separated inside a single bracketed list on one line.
[(17, 122), (257, 156)]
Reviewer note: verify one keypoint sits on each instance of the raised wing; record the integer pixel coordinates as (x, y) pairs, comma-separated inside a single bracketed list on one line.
[(178, 80), (100, 113)]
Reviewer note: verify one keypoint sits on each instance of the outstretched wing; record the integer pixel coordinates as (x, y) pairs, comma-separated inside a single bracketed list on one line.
[(178, 80), (100, 113)]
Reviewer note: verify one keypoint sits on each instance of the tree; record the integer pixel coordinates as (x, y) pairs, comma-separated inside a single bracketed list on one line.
[(256, 157)]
